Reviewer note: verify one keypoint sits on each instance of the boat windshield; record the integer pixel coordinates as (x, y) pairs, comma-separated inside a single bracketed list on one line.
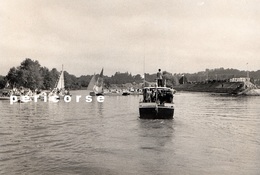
[(159, 95)]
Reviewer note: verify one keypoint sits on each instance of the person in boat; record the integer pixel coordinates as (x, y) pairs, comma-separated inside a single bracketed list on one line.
[(161, 97), (165, 96), (153, 95), (159, 78), (169, 96), (147, 95), (67, 92)]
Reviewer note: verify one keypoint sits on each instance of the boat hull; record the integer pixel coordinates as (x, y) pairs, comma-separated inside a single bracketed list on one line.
[(4, 98), (154, 111), (125, 93), (92, 94), (96, 94)]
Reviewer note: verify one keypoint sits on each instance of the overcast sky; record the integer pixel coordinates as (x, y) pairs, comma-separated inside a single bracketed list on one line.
[(130, 35)]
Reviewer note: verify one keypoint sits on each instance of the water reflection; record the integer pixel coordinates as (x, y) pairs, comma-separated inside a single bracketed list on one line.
[(156, 140), (155, 133)]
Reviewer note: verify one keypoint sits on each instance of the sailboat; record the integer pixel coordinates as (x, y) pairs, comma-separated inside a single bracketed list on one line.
[(96, 85), (91, 85), (59, 88)]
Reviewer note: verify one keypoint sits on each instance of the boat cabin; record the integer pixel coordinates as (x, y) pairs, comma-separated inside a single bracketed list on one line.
[(159, 95)]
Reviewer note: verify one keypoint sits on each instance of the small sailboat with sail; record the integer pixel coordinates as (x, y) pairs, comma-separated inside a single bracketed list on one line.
[(96, 85), (59, 88), (60, 85), (91, 85)]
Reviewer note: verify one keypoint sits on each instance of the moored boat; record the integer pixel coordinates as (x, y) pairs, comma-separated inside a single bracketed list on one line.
[(21, 94), (126, 92), (4, 98), (246, 87), (6, 92), (157, 103)]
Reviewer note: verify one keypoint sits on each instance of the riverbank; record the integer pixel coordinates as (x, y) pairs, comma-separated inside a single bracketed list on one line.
[(215, 87)]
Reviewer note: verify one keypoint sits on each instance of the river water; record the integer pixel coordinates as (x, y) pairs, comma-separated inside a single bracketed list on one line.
[(210, 134)]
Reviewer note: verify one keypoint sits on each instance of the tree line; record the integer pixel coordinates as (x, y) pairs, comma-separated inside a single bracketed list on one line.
[(221, 74), (30, 74)]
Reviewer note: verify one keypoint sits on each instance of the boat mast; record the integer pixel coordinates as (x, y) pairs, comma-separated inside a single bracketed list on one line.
[(247, 74), (144, 65), (61, 75)]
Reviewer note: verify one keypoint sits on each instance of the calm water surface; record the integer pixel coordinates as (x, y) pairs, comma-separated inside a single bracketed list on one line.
[(210, 134)]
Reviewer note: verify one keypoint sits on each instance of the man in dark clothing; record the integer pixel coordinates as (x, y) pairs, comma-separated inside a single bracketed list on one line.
[(159, 78)]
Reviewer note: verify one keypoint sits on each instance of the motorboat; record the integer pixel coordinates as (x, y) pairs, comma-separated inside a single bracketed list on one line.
[(157, 103)]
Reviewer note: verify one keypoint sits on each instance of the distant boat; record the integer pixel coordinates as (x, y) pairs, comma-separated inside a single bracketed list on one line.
[(126, 93), (157, 103), (96, 85), (246, 87), (5, 94), (59, 88), (91, 85), (60, 83), (4, 97), (19, 94)]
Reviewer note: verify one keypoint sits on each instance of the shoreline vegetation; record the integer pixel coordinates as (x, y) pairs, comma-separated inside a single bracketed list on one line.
[(30, 74)]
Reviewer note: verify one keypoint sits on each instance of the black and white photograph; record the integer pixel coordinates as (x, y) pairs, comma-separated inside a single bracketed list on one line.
[(129, 87)]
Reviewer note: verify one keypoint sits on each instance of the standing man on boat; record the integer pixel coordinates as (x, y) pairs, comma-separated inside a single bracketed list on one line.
[(159, 78)]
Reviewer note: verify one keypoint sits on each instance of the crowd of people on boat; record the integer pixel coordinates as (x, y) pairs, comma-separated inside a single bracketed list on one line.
[(28, 92), (158, 95), (59, 92)]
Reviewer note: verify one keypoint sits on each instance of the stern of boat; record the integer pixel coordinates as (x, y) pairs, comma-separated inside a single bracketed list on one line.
[(156, 111)]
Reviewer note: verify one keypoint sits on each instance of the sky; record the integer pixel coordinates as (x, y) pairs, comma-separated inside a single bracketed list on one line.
[(135, 36)]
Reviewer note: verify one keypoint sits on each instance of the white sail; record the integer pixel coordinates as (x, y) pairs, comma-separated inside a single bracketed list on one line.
[(92, 83), (60, 84), (59, 88), (98, 89), (98, 86)]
